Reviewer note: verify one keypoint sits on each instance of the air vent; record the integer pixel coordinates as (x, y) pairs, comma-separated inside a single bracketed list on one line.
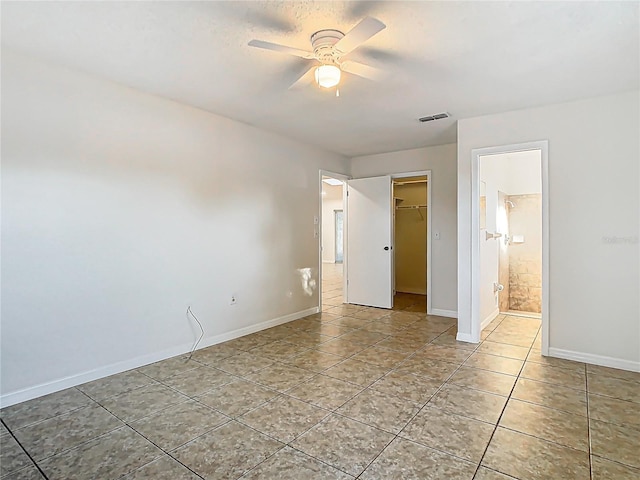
[(437, 116)]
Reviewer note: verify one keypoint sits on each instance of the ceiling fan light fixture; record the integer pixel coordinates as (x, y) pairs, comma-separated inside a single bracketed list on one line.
[(327, 76)]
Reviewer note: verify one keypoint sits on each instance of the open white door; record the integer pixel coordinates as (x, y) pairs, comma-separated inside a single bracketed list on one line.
[(369, 247)]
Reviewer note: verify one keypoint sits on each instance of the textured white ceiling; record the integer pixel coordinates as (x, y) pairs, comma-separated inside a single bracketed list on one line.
[(467, 58)]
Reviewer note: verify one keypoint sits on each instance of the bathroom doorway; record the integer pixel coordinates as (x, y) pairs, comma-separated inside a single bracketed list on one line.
[(510, 246), (511, 235)]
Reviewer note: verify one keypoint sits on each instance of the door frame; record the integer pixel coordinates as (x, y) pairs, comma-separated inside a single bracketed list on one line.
[(476, 153), (343, 178), (420, 173)]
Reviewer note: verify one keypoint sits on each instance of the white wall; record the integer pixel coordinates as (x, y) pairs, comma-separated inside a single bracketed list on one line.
[(516, 173), (441, 160), (120, 209), (594, 157), (331, 201)]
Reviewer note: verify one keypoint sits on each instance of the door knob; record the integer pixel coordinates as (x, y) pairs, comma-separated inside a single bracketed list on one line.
[(386, 248)]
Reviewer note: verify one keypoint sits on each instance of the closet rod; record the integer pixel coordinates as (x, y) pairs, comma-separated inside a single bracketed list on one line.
[(411, 206), (410, 181)]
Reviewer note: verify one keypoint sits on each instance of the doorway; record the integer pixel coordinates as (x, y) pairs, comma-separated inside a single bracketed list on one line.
[(510, 241), (331, 230), (410, 233), (370, 243)]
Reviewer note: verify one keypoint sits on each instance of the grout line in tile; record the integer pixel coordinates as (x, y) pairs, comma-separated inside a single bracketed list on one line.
[(155, 412), (329, 412), (319, 460), (66, 412), (494, 470), (397, 435), (618, 462), (84, 442), (486, 448), (334, 410), (543, 439), (24, 450), (530, 402), (284, 445), (165, 452), (586, 387), (376, 457), (316, 373)]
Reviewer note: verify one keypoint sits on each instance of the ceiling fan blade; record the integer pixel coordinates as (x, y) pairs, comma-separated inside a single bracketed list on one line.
[(282, 49), (359, 34), (306, 79), (362, 70)]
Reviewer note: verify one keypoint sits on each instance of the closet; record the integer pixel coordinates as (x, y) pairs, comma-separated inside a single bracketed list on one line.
[(410, 235)]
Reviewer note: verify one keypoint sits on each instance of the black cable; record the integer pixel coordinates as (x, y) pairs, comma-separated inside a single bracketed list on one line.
[(189, 312)]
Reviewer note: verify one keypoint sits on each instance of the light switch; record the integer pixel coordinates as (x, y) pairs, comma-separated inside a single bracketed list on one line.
[(436, 235), (316, 220)]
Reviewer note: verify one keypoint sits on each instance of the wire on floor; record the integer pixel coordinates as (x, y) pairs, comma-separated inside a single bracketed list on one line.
[(189, 312)]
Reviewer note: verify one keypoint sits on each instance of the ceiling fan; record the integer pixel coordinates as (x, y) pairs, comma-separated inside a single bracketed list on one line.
[(329, 47)]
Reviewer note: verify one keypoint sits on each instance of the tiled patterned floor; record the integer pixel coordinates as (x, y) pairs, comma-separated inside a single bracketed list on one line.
[(351, 392)]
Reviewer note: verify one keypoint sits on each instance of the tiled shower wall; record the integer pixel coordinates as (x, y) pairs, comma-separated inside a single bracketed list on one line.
[(525, 259)]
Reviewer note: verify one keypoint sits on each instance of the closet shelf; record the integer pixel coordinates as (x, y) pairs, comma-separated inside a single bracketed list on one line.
[(410, 206)]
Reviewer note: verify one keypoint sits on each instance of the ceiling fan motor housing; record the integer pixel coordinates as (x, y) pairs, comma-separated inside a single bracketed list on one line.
[(323, 42)]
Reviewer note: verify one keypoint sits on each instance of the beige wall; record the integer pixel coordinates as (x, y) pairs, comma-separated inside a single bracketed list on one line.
[(411, 239)]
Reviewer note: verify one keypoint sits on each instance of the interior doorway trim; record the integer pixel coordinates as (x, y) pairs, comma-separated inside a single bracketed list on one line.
[(344, 178), (543, 146), (423, 173)]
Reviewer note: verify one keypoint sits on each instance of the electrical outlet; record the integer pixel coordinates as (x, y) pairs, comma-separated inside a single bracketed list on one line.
[(234, 299)]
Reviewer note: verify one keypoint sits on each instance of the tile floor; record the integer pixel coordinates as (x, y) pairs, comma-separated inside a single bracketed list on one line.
[(349, 393)]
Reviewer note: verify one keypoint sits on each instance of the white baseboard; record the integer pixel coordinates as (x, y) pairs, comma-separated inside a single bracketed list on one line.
[(443, 313), (601, 360), (489, 318), (465, 337), (415, 291), (23, 395)]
